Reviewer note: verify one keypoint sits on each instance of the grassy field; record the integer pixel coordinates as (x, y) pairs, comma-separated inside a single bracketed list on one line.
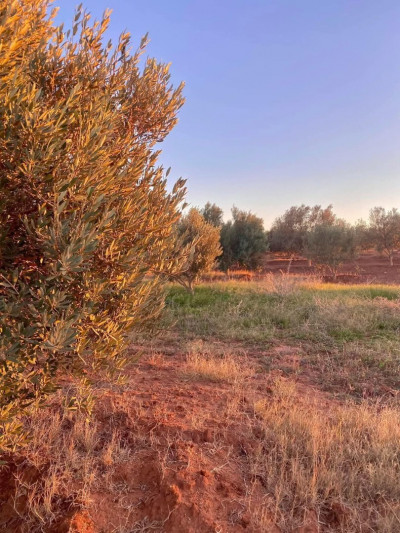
[(347, 334), (287, 309), (347, 341), (274, 403)]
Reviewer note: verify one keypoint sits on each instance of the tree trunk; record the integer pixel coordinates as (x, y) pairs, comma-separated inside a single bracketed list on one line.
[(190, 287), (309, 262), (289, 264), (391, 259)]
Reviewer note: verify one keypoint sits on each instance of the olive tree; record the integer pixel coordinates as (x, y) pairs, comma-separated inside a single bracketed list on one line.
[(244, 241), (289, 232), (213, 214), (86, 239), (363, 235), (202, 238), (384, 231), (331, 245)]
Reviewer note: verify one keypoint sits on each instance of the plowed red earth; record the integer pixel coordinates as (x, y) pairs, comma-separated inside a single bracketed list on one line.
[(188, 470), (370, 267)]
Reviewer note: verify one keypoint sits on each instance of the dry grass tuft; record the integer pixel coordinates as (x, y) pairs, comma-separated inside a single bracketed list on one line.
[(344, 464), (65, 458), (205, 362)]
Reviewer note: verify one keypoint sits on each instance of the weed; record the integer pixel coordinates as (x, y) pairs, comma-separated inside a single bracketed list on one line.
[(344, 464), (203, 362)]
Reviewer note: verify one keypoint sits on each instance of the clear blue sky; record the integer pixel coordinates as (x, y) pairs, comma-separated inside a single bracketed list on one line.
[(288, 101)]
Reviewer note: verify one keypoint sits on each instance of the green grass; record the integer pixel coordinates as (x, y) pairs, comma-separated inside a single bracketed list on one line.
[(352, 332), (254, 312)]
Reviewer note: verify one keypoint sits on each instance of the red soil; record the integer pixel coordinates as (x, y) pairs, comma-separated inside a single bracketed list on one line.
[(188, 471), (370, 267), (189, 441)]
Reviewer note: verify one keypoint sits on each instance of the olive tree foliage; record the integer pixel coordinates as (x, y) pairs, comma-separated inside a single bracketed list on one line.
[(85, 215), (244, 241), (331, 245), (384, 231), (213, 214), (362, 235), (202, 238), (289, 232)]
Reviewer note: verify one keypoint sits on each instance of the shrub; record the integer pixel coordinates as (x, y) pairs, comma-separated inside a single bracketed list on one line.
[(384, 231), (243, 240), (203, 239), (331, 245), (213, 214), (289, 232), (85, 215)]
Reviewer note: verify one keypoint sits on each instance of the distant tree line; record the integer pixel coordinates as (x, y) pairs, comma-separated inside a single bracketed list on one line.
[(313, 232)]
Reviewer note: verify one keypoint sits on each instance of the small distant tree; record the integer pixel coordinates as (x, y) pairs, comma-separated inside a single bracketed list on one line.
[(384, 231), (244, 241), (226, 238), (331, 245), (289, 232), (203, 238), (213, 214), (363, 235)]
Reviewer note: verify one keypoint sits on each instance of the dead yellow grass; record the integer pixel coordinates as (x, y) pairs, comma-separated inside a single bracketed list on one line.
[(297, 458), (205, 362), (344, 464), (212, 368), (283, 283), (65, 458), (238, 275)]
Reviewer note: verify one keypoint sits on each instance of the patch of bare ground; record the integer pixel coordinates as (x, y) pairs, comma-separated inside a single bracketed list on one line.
[(168, 452), (203, 439), (370, 267)]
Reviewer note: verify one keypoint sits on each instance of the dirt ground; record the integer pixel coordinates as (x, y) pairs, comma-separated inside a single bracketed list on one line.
[(187, 469), (370, 267), (182, 463)]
